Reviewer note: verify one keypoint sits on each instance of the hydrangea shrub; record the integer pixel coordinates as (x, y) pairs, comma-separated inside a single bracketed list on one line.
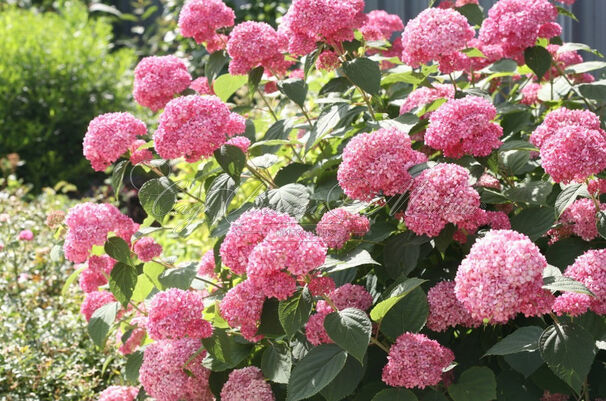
[(416, 219)]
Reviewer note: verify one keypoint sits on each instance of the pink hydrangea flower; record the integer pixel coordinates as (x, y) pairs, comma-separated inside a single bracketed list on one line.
[(328, 61), (464, 126), (207, 265), (569, 2), (445, 310), (241, 142), (119, 393), (424, 96), (91, 279), (147, 248), (249, 230), (597, 186), (163, 373), (572, 145), (530, 94), (416, 361), (547, 396), (435, 33), (109, 136), (581, 216), (337, 226), (458, 3), (135, 338), (241, 307), (514, 25), (88, 225), (589, 269), (253, 44), (95, 300), (158, 80), (25, 235), (194, 127), (377, 163), (440, 195), (321, 285), (138, 156), (488, 181), (329, 21), (175, 314), (502, 276), (200, 19), (201, 86), (247, 384), (381, 25)]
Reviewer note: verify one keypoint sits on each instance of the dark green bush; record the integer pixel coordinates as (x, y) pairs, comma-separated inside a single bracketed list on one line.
[(57, 72)]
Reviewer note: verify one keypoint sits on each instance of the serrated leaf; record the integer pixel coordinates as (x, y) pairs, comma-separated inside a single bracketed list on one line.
[(473, 13), (524, 339), (133, 364), (358, 257), (295, 90), (294, 311), (227, 84), (395, 394), (477, 384), (346, 381), (180, 277), (291, 199), (225, 348), (565, 284), (219, 196), (534, 221), (158, 196), (364, 73), (538, 59), (122, 282), (232, 160), (276, 363), (533, 192), (400, 291), (118, 176), (407, 315), (254, 77), (101, 321), (350, 329), (118, 249), (587, 66), (568, 195), (215, 63)]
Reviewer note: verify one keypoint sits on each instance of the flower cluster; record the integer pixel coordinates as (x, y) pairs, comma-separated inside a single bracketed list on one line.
[(416, 361), (207, 265), (377, 163), (138, 154), (502, 276), (175, 314), (581, 217), (464, 126), (381, 25), (200, 19), (247, 384), (138, 333), (95, 275), (241, 307), (445, 310), (119, 393), (109, 136), (158, 79), (147, 249), (530, 94), (424, 96), (194, 127), (337, 226), (93, 301)]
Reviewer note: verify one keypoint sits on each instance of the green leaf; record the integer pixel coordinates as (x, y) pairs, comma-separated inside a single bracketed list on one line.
[(292, 199), (294, 311), (400, 291), (225, 350), (133, 364), (335, 85), (214, 65), (180, 277), (533, 192), (514, 162), (594, 91), (270, 325), (473, 52), (601, 223), (346, 381), (291, 173), (524, 339), (158, 196), (565, 284), (538, 59), (315, 371), (358, 257), (587, 66), (101, 321), (227, 84), (568, 195), (525, 363), (569, 351), (118, 249), (218, 197), (254, 77), (407, 315), (122, 282), (232, 160), (395, 394), (534, 221), (295, 90), (405, 74), (276, 363), (350, 329), (476, 383), (401, 254), (364, 73), (118, 176), (72, 277), (563, 11), (473, 13)]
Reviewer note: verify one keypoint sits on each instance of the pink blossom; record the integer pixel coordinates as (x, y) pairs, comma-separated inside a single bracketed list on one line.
[(581, 216), (314, 329), (597, 186), (321, 285), (424, 96), (530, 94), (247, 384), (175, 314), (377, 163), (200, 19), (488, 181), (158, 79), (241, 308), (135, 338), (445, 310), (416, 361), (569, 2), (464, 126), (163, 371), (253, 44), (328, 61), (207, 265), (502, 276), (194, 127), (381, 25), (95, 300), (91, 279), (337, 226), (201, 86), (25, 235), (119, 393), (137, 155), (241, 142), (147, 248), (547, 396), (109, 136)]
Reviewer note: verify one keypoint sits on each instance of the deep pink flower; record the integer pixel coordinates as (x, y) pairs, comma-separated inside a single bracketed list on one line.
[(158, 80), (175, 314), (200, 19), (328, 61), (547, 396), (445, 310), (207, 265), (147, 248), (424, 96), (581, 216), (109, 136), (321, 285), (25, 235), (90, 280), (241, 308), (201, 86), (381, 25), (247, 384), (194, 127), (135, 338), (530, 94), (137, 155), (241, 142), (337, 226), (597, 186), (119, 393), (95, 300)]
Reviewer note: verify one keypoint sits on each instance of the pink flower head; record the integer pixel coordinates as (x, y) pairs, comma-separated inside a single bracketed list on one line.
[(416, 361), (91, 279), (464, 126), (321, 285), (445, 310), (502, 276), (165, 375), (249, 230), (381, 25), (337, 226), (488, 181), (247, 384), (547, 396), (194, 127), (581, 217), (25, 235), (147, 249), (95, 300), (135, 338), (201, 86), (109, 136), (119, 393), (328, 61), (329, 21), (88, 225), (590, 270), (253, 44), (207, 265), (433, 34), (138, 155), (377, 163), (200, 19), (458, 3), (241, 307), (241, 142), (572, 145), (175, 314), (530, 94), (440, 195), (597, 186), (424, 96), (514, 25), (158, 80)]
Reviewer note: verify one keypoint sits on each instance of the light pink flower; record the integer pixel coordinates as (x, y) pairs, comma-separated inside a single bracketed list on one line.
[(337, 226), (147, 248), (381, 25), (95, 300), (530, 94), (581, 216), (137, 155), (247, 384), (445, 310), (241, 142), (25, 235), (241, 308), (200, 19), (158, 80), (424, 96), (175, 314), (119, 393)]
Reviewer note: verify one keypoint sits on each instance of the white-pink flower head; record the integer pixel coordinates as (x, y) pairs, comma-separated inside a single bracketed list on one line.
[(241, 308), (119, 393), (200, 19), (381, 25), (158, 80), (424, 96), (337, 226), (95, 300), (247, 384), (175, 314)]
